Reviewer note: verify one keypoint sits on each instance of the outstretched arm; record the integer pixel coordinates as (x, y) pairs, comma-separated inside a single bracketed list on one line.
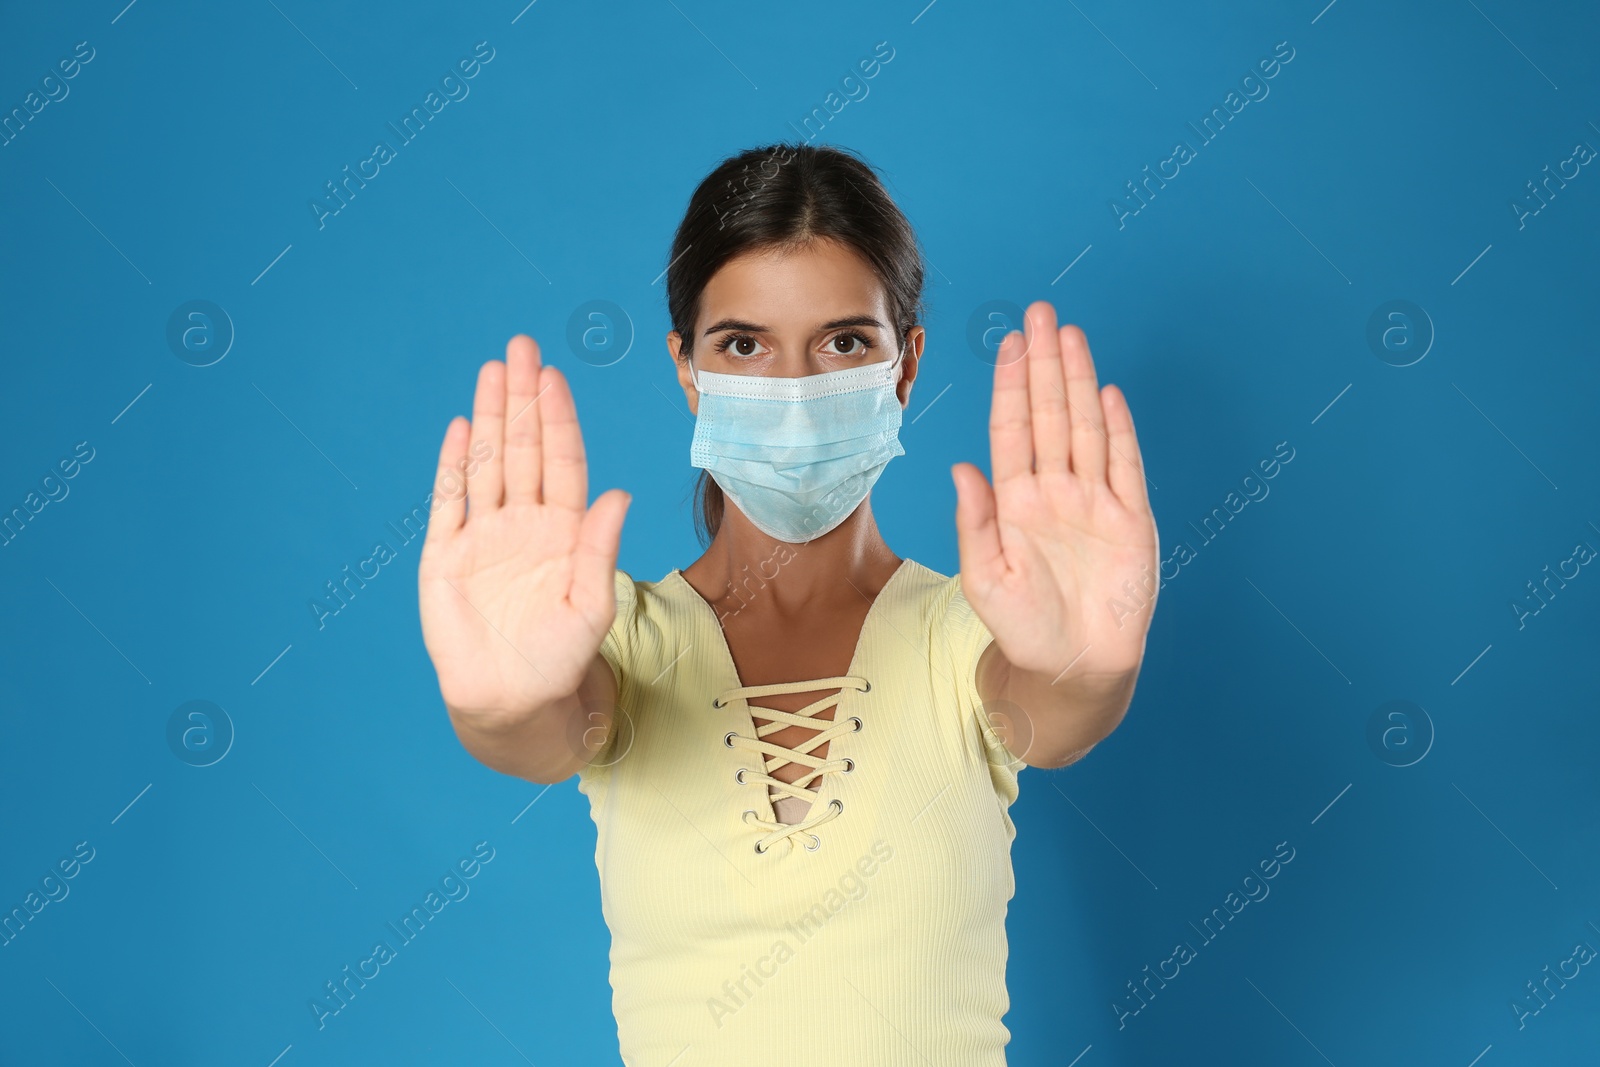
[(516, 584), (1059, 556)]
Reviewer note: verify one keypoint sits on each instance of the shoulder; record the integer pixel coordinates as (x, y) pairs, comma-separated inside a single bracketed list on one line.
[(627, 589), (635, 596), (642, 606), (649, 620), (921, 584), (948, 612), (959, 637)]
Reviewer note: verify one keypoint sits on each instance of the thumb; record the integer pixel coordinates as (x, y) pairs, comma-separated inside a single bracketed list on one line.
[(594, 558), (977, 525)]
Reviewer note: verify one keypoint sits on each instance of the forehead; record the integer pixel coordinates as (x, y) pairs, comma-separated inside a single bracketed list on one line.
[(799, 287)]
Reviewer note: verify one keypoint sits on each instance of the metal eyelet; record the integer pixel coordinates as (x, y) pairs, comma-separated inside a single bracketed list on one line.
[(747, 811), (715, 702), (727, 738), (850, 765), (813, 848), (759, 848), (836, 804), (738, 775), (857, 720), (868, 689)]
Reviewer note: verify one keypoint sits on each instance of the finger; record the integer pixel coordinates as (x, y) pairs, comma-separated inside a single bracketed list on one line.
[(1083, 400), (485, 464), (566, 471), (1010, 429), (977, 526), (522, 421), (1126, 473), (1047, 391), (594, 559), (449, 503)]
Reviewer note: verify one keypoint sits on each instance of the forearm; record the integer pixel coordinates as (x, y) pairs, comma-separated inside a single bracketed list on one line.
[(547, 744), (1060, 719)]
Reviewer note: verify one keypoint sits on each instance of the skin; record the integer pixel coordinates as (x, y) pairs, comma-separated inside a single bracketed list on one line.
[(803, 623), (517, 594)]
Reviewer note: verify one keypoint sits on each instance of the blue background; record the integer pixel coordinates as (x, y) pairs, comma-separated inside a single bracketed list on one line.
[(1233, 309)]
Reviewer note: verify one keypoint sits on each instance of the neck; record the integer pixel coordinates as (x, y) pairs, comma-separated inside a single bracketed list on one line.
[(743, 565)]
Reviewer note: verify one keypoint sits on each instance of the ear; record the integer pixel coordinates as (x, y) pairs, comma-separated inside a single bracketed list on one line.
[(690, 394), (909, 363)]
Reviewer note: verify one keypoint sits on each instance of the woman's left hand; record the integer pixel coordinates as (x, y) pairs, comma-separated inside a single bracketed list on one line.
[(1059, 558)]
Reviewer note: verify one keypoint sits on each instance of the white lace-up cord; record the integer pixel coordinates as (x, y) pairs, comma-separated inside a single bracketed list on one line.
[(777, 831)]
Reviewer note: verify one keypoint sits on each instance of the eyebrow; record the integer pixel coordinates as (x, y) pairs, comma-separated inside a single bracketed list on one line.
[(745, 326)]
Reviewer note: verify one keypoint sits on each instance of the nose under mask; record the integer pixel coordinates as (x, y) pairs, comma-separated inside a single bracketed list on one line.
[(797, 455)]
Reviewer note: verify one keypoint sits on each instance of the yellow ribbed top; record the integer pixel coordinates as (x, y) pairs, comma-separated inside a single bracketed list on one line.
[(870, 932)]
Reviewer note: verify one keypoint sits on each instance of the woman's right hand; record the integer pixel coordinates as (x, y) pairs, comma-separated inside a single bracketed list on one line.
[(516, 583)]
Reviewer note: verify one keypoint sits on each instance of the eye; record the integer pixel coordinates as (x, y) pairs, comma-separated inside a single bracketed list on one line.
[(848, 338), (737, 343)]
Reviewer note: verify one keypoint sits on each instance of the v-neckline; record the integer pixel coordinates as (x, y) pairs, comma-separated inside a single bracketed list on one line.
[(733, 669), (727, 650)]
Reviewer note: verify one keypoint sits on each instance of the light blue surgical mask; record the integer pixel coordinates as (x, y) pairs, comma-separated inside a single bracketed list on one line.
[(797, 455)]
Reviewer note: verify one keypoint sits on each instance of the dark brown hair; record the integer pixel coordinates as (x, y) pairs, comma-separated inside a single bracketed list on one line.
[(784, 197)]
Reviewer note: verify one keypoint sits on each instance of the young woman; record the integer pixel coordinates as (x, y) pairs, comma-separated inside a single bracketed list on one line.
[(799, 752)]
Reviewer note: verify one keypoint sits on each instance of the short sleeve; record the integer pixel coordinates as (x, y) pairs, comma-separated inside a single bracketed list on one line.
[(967, 637), (616, 648), (617, 644)]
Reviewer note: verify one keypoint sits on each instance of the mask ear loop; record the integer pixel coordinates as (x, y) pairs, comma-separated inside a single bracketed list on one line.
[(901, 355)]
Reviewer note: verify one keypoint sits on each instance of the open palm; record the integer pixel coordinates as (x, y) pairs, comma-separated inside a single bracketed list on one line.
[(1059, 557), (515, 582)]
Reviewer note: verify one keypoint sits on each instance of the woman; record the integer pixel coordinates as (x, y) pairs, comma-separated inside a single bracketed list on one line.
[(799, 751)]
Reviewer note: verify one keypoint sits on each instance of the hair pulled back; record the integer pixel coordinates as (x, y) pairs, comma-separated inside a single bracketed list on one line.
[(783, 197)]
